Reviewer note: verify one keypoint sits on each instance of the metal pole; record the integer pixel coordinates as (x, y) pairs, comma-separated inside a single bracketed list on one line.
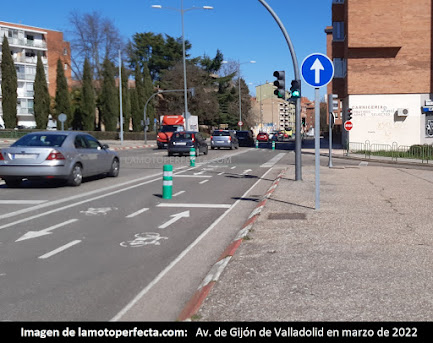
[(240, 98), (330, 106), (120, 97), (298, 152), (184, 70), (317, 144)]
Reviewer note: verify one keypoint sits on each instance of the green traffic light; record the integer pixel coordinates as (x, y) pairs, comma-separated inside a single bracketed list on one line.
[(296, 94)]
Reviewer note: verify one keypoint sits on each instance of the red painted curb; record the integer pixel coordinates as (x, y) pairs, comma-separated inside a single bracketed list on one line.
[(231, 249), (194, 304)]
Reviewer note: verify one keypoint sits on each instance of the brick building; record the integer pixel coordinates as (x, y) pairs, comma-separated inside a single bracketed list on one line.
[(382, 55), (25, 42)]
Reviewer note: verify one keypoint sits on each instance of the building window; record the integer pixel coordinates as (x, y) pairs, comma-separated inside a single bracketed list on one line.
[(340, 67), (338, 1), (338, 31), (65, 52), (66, 66)]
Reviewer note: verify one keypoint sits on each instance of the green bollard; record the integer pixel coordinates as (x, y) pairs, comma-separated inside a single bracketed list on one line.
[(192, 157), (273, 145), (167, 181), (257, 144)]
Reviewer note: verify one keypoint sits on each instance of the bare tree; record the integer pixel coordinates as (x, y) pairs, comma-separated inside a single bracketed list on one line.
[(95, 38), (231, 67)]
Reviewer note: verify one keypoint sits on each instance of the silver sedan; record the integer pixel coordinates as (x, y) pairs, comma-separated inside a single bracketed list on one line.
[(66, 155)]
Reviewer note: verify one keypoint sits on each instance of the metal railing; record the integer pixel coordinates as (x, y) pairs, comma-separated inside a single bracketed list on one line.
[(393, 151)]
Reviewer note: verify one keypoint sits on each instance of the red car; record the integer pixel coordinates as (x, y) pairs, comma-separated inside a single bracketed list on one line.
[(262, 137)]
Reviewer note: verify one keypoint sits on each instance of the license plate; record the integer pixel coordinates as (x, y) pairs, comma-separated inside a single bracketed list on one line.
[(181, 143), (24, 156)]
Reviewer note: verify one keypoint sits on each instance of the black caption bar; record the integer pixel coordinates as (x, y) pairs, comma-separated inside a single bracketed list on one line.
[(202, 331)]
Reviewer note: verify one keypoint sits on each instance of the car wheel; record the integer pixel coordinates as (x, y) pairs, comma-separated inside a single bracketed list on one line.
[(212, 147), (170, 153), (76, 176), (206, 151), (12, 183), (231, 147), (114, 170)]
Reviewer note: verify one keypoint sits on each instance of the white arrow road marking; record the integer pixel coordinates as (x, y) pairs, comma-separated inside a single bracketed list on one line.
[(137, 213), (202, 182), (199, 173), (317, 67), (194, 205), (246, 171), (175, 218), (47, 231), (21, 202), (178, 193), (64, 247)]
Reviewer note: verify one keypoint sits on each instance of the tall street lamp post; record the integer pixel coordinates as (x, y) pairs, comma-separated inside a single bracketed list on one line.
[(182, 11)]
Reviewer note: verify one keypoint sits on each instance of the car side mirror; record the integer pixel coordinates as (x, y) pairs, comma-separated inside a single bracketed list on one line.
[(105, 146)]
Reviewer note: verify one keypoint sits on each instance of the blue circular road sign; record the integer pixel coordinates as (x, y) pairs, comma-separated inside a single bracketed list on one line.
[(317, 70)]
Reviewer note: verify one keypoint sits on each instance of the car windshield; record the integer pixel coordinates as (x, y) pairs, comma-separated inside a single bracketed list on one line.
[(169, 128), (221, 133), (182, 135), (40, 140)]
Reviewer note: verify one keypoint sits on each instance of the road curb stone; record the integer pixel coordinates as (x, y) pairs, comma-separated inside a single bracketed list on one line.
[(194, 304)]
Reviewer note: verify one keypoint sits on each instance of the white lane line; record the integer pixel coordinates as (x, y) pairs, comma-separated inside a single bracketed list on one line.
[(272, 161), (220, 173), (194, 205), (47, 231), (178, 193), (233, 167), (193, 176), (140, 295), (246, 171), (56, 251), (21, 202), (137, 213), (363, 164), (202, 182)]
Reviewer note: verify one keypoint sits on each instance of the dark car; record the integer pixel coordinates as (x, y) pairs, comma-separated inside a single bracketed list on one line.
[(245, 138), (182, 142)]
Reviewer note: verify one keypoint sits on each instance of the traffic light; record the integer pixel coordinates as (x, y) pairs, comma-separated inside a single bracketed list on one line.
[(349, 114), (296, 89), (280, 83)]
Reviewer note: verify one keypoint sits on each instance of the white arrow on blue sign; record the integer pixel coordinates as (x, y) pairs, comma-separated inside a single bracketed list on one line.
[(317, 70)]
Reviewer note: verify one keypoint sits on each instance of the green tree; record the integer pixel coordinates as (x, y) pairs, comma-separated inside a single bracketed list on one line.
[(88, 103), (126, 101), (109, 97), (148, 90), (136, 113), (9, 86), (41, 96), (63, 103), (157, 52), (76, 108)]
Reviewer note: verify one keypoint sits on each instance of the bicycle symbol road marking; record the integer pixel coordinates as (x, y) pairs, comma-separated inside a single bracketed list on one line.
[(144, 238), (97, 211)]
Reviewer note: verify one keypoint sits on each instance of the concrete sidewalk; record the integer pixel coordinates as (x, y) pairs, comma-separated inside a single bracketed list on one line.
[(366, 255)]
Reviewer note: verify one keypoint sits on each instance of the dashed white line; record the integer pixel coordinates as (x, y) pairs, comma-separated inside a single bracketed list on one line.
[(363, 164), (220, 173), (178, 193), (137, 213), (202, 182), (56, 251), (233, 167)]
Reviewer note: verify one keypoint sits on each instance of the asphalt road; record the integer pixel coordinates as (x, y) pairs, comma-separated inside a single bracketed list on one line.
[(113, 249)]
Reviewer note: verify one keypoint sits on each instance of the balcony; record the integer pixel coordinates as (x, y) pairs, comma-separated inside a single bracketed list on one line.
[(27, 59), (23, 42)]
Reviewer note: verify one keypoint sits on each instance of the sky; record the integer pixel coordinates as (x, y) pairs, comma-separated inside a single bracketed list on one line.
[(243, 30)]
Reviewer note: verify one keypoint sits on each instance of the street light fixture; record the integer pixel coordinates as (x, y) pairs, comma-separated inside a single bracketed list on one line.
[(182, 11), (239, 82)]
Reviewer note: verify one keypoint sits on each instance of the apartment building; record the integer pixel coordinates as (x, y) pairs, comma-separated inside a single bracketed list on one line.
[(25, 42), (273, 113), (382, 53)]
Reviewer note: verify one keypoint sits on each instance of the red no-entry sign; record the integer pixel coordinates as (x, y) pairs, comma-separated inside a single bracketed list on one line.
[(240, 123), (348, 125)]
